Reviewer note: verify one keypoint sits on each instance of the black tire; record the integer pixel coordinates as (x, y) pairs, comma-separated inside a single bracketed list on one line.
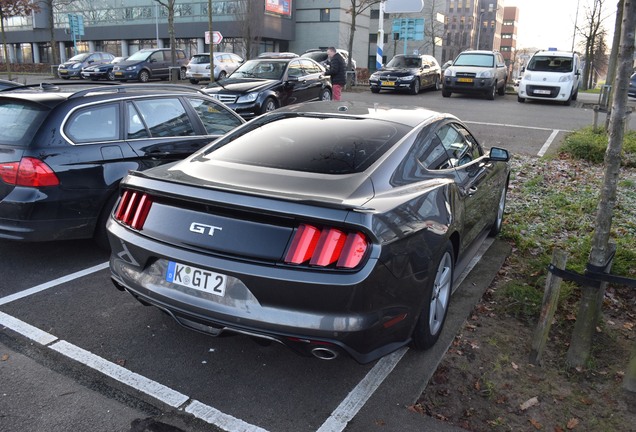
[(438, 84), (100, 235), (446, 93), (499, 217), (436, 301), (375, 89), (575, 95), (520, 99), (491, 92), (415, 88), (568, 102), (182, 74), (270, 104), (144, 76), (222, 75), (194, 81), (501, 91), (325, 94), (111, 75)]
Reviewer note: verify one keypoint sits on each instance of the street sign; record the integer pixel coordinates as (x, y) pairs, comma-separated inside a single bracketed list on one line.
[(403, 6), (217, 37)]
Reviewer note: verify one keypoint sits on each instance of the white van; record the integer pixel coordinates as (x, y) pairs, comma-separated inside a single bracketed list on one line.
[(551, 75)]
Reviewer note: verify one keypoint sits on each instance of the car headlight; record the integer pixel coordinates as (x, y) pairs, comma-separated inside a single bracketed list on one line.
[(565, 78), (208, 67), (374, 76), (449, 72), (527, 77), (131, 68), (407, 78), (485, 74), (250, 97)]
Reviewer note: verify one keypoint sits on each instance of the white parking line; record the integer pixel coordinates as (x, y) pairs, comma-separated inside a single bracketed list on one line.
[(546, 145), (356, 399), (51, 284)]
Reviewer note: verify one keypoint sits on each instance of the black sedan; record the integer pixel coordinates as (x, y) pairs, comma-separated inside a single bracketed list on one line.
[(409, 73), (327, 227), (270, 82)]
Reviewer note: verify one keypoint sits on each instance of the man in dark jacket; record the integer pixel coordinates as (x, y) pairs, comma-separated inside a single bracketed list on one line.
[(337, 72)]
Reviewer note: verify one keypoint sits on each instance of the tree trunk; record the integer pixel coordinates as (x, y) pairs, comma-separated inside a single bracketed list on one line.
[(591, 302), (616, 42)]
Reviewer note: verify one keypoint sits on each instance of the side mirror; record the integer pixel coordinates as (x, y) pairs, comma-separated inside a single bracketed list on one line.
[(499, 155), (292, 79)]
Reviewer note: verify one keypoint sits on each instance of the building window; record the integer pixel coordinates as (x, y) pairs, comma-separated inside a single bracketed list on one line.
[(506, 36), (325, 15)]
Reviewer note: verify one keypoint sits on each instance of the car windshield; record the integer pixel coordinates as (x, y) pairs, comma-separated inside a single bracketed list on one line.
[(318, 144), (478, 60), (267, 69), (20, 122), (550, 64), (409, 62), (200, 59), (139, 55), (79, 57)]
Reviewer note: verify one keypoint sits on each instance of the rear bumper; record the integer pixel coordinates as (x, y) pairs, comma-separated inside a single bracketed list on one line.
[(366, 314)]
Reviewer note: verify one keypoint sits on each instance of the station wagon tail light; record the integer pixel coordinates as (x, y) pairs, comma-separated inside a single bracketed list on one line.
[(133, 209), (326, 246), (29, 172)]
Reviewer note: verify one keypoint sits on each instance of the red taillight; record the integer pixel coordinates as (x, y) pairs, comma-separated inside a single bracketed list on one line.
[(133, 209), (322, 247), (28, 172)]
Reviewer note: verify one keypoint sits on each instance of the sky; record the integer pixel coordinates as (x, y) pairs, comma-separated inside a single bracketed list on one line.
[(547, 24)]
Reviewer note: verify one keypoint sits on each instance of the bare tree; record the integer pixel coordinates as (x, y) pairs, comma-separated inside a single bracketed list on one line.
[(10, 9), (601, 251), (249, 15), (357, 7), (433, 28), (593, 33), (169, 5)]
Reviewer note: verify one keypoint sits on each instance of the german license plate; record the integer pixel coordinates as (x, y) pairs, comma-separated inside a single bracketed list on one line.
[(388, 83), (62, 71), (196, 278), (197, 75), (119, 74), (543, 92), (465, 80)]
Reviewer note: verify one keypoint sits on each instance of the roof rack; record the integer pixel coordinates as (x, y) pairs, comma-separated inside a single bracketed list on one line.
[(123, 88)]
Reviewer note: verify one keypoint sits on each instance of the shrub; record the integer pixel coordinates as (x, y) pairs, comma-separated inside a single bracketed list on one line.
[(590, 144)]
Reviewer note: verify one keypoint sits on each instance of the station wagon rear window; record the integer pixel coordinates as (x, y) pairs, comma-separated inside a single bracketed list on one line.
[(20, 121), (313, 144)]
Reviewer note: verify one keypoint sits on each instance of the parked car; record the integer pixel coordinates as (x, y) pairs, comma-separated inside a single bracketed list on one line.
[(480, 72), (264, 84), (64, 149), (446, 65), (72, 68), (320, 56), (224, 64), (328, 227), (101, 71), (632, 86), (551, 76), (147, 64), (6, 84), (407, 72)]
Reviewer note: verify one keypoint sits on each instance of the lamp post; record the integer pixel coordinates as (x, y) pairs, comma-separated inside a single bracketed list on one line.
[(479, 23)]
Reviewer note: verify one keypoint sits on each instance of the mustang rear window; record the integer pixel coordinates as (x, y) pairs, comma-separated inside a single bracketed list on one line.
[(20, 121), (313, 144)]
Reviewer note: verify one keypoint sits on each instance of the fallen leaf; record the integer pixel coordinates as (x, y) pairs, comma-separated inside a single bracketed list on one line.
[(572, 423), (4, 357), (121, 362), (529, 403), (558, 429), (536, 424), (515, 366), (477, 385), (380, 422), (628, 326)]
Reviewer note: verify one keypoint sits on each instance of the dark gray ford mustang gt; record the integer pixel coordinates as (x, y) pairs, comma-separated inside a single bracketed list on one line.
[(330, 227)]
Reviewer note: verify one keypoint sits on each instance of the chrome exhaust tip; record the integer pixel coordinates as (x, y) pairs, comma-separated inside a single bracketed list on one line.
[(324, 353)]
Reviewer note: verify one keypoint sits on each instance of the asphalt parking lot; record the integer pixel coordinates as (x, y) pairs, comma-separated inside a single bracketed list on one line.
[(76, 354)]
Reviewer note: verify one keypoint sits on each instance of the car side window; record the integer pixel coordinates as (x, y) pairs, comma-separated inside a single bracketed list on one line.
[(157, 56), (309, 67), (295, 69), (94, 124), (136, 128), (460, 149), (216, 120), (165, 117), (434, 156)]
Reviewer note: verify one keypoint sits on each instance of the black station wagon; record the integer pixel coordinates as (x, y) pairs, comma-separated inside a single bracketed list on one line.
[(63, 151)]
